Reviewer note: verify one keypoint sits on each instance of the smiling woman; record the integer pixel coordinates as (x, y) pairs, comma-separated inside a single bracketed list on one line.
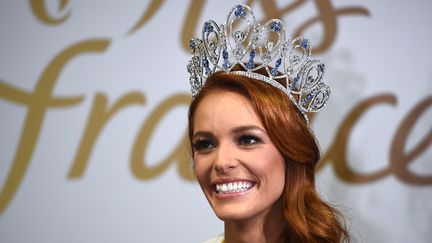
[(253, 149), (238, 167), (254, 158)]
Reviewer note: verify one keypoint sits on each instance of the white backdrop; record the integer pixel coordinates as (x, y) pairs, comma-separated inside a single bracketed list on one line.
[(82, 82)]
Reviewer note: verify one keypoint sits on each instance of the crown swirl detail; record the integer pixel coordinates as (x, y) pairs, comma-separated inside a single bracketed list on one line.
[(243, 41)]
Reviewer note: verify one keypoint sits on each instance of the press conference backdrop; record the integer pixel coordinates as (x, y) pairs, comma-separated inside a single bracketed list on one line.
[(93, 103)]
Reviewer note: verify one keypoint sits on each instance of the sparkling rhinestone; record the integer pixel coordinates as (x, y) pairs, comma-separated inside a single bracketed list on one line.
[(295, 59), (275, 26), (205, 62), (250, 64), (195, 83), (294, 82), (192, 45), (226, 64), (284, 48), (240, 11), (238, 53), (266, 58), (304, 43), (208, 71), (270, 46), (208, 27), (255, 39), (279, 62), (190, 68), (289, 70), (238, 36), (252, 54), (195, 60), (225, 54), (212, 46)]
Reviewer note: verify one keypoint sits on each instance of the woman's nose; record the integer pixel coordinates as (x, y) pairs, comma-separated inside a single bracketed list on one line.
[(225, 160)]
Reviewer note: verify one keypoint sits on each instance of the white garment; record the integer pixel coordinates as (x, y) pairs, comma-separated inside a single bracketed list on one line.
[(217, 239)]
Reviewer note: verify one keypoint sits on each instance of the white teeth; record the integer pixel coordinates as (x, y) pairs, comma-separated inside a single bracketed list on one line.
[(224, 187), (230, 186), (233, 187)]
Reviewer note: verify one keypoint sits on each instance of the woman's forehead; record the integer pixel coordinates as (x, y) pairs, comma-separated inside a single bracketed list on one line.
[(221, 109)]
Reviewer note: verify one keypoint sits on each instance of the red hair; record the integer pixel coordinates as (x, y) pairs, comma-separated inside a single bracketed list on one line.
[(308, 217)]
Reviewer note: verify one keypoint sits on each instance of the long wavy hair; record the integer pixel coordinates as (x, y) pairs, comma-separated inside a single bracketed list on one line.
[(308, 218)]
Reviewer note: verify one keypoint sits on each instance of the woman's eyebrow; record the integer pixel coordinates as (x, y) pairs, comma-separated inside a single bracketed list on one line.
[(202, 134), (246, 128)]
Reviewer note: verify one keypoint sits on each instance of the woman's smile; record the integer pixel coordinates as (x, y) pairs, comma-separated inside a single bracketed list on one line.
[(233, 187)]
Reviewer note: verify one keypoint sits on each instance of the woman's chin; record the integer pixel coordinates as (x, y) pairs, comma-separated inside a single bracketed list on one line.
[(231, 213), (227, 216)]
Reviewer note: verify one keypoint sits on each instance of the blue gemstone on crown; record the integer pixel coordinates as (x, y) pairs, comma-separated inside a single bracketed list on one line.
[(225, 63), (294, 82), (275, 26), (240, 11), (321, 67), (304, 43), (225, 54), (208, 27), (192, 45), (278, 63), (305, 100), (205, 62), (250, 63)]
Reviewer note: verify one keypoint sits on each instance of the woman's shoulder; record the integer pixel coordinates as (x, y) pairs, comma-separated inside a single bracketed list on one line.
[(216, 239)]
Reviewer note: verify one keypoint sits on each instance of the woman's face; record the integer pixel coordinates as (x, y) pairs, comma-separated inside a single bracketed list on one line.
[(239, 169)]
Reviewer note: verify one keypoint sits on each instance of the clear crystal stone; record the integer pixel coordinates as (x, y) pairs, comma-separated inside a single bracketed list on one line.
[(255, 39), (266, 58), (195, 60), (195, 84), (238, 36), (238, 53), (190, 68), (270, 46), (212, 45), (295, 59), (290, 70)]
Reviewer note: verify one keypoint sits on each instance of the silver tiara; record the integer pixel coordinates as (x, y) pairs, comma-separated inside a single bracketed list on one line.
[(243, 41)]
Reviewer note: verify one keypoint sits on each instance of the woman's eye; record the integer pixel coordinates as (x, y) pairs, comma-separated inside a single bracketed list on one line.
[(203, 146), (248, 140)]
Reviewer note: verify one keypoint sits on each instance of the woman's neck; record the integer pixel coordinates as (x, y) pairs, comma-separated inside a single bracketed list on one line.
[(265, 227)]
